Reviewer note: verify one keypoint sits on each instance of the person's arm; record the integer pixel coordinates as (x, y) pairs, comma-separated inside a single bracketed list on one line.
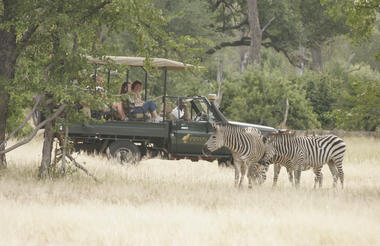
[(138, 101)]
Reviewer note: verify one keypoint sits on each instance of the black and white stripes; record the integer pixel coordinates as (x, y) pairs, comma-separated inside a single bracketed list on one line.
[(305, 152), (245, 144)]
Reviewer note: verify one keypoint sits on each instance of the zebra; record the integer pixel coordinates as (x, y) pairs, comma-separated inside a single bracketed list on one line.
[(305, 152), (245, 144)]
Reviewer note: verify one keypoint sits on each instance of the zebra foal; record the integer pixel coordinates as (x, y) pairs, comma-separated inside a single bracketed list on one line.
[(245, 144), (305, 152)]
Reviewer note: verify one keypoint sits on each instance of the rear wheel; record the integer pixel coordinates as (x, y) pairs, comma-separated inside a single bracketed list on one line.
[(125, 152)]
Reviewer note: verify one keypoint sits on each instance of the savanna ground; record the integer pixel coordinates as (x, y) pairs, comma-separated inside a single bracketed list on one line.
[(162, 202)]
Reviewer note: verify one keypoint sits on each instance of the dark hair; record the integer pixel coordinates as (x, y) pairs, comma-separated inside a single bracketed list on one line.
[(123, 88), (135, 83)]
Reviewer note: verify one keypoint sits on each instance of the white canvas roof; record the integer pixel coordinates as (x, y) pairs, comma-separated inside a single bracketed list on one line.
[(139, 62)]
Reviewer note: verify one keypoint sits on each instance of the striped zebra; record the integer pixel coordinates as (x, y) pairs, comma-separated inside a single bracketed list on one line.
[(245, 144), (304, 152)]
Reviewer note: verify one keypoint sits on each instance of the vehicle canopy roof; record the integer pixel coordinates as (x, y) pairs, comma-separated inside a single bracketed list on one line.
[(139, 62)]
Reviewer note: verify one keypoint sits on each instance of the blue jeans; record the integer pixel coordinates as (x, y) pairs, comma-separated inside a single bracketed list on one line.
[(147, 106)]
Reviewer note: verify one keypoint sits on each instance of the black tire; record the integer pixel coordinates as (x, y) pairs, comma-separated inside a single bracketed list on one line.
[(125, 152)]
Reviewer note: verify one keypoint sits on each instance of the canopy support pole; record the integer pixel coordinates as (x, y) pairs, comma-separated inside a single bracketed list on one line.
[(164, 97)]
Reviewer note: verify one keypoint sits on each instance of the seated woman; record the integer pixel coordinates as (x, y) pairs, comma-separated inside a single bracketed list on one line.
[(121, 107), (135, 98)]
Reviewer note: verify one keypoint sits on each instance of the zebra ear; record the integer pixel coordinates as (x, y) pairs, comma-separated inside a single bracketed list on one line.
[(267, 138), (214, 125)]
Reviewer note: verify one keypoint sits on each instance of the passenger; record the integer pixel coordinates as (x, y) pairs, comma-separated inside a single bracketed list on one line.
[(180, 112), (102, 109), (121, 107), (141, 106)]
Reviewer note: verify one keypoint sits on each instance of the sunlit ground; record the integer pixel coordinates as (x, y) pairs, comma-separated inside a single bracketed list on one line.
[(163, 202)]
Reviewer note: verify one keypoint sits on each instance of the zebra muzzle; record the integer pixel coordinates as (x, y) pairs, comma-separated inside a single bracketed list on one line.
[(206, 151)]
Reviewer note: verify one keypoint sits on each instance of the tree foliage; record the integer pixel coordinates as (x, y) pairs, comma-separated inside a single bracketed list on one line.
[(260, 98)]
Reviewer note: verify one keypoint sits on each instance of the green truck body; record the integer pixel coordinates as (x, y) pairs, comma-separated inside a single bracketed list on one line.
[(173, 139)]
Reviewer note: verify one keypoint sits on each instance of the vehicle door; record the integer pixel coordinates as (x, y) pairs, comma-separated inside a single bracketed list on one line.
[(190, 135)]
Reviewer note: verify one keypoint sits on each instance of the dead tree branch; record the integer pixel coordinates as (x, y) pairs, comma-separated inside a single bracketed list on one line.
[(39, 126), (81, 167), (269, 22), (38, 100)]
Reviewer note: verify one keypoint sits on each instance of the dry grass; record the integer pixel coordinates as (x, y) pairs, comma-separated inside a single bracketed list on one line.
[(185, 203)]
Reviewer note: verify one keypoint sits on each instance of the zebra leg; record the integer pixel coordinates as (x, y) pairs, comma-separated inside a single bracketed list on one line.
[(318, 176), (237, 166), (339, 166), (243, 172), (297, 175), (250, 175), (276, 172), (262, 172), (290, 174), (334, 172)]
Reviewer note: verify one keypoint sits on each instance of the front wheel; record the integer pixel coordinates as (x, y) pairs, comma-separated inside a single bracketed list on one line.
[(125, 152)]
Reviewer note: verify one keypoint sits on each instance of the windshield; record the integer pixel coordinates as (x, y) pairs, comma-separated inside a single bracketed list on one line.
[(201, 110), (190, 108)]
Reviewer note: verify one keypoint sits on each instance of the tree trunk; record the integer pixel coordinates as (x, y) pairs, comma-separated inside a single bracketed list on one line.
[(7, 72), (47, 146), (219, 80), (283, 123), (316, 55), (4, 100), (255, 33), (243, 58)]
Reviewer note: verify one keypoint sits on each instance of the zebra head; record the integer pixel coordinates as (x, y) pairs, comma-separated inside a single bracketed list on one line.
[(269, 151), (215, 141)]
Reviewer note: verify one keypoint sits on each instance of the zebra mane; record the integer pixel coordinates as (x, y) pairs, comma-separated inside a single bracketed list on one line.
[(281, 133), (269, 137)]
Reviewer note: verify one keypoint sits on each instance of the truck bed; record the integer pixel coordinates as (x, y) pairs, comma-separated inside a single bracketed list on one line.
[(120, 129)]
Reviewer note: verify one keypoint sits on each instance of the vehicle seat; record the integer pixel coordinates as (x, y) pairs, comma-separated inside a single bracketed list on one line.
[(130, 107), (168, 110)]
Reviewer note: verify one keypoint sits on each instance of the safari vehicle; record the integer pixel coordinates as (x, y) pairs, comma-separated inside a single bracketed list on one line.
[(172, 138)]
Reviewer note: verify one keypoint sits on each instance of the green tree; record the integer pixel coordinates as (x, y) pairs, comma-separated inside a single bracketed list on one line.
[(358, 104), (279, 24), (48, 40), (260, 98), (322, 91), (319, 27)]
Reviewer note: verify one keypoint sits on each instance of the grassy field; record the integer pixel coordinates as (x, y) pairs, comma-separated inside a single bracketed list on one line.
[(183, 203)]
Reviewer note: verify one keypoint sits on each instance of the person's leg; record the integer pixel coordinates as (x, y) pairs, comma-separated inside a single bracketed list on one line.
[(151, 107), (119, 108)]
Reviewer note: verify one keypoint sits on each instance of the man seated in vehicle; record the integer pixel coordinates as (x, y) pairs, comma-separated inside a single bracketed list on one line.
[(103, 109), (180, 112)]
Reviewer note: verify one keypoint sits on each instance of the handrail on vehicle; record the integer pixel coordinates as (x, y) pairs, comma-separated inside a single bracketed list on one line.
[(162, 63)]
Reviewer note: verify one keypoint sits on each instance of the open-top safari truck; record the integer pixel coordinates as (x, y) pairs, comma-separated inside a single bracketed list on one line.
[(173, 138)]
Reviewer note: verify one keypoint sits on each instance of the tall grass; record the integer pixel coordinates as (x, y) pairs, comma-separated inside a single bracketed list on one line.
[(163, 202)]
